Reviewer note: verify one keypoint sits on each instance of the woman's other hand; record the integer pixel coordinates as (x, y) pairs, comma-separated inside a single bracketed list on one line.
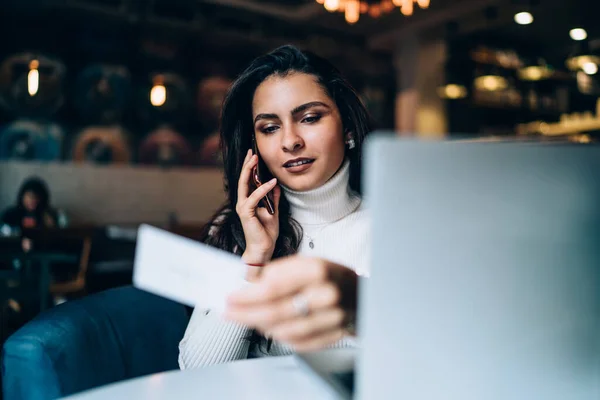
[(308, 303)]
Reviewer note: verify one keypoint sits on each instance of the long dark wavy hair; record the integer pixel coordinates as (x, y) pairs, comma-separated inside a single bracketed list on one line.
[(37, 186), (237, 129)]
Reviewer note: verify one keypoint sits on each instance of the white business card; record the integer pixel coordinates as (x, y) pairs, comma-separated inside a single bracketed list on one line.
[(184, 270)]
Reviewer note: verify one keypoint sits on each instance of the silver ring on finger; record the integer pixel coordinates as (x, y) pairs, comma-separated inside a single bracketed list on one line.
[(300, 304)]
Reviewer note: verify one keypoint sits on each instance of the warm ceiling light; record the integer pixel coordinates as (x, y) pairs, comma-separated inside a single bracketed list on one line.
[(576, 63), (531, 73), (408, 7), (590, 68), (158, 93), (33, 78), (578, 34), (373, 7), (331, 5), (452, 91), (352, 11), (523, 18), (491, 83), (534, 73)]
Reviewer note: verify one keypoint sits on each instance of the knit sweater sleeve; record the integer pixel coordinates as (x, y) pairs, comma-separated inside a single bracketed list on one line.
[(209, 339)]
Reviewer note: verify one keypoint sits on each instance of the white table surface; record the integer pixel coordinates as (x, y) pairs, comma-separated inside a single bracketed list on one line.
[(261, 379)]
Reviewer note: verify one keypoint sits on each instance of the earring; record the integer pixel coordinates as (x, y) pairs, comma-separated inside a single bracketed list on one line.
[(351, 144)]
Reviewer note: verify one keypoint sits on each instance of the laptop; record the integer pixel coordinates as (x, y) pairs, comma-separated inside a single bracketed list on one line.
[(485, 277)]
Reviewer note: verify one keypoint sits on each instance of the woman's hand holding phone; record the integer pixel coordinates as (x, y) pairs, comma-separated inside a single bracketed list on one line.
[(261, 228)]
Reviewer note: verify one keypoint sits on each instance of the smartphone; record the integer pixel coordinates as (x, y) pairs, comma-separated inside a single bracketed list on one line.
[(266, 201)]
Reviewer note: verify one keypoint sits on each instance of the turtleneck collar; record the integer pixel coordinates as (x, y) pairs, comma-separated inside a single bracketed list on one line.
[(326, 204)]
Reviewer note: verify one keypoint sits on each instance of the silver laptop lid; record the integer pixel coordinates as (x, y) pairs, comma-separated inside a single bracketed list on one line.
[(485, 277)]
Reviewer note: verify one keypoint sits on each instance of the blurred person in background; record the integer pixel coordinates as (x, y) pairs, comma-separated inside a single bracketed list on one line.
[(32, 210)]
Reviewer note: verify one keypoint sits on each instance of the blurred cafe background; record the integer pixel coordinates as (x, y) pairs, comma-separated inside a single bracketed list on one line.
[(109, 109)]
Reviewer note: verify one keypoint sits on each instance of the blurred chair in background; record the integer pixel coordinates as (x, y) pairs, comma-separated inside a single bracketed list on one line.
[(111, 257)]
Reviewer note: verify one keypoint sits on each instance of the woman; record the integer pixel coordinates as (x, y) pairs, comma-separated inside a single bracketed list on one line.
[(309, 125), (33, 207)]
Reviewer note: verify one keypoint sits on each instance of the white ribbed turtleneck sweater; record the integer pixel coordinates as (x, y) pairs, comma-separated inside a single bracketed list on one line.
[(332, 219)]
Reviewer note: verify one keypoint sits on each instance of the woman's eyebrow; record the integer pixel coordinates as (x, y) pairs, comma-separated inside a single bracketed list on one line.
[(265, 116), (294, 112), (306, 106)]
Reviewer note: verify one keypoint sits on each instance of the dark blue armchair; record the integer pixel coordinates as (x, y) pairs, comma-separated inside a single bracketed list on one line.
[(103, 338)]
